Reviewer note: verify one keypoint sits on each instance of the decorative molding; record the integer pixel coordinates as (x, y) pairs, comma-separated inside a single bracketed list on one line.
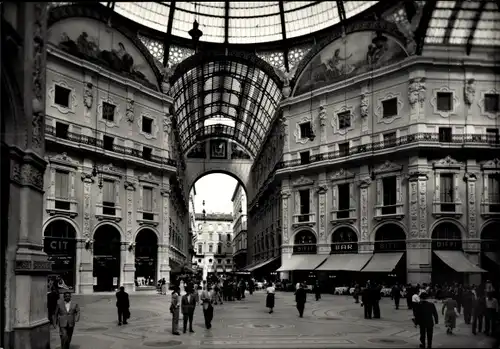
[(87, 191), (469, 92), (167, 123), (422, 206), (285, 195), (413, 188), (130, 110), (454, 98), (388, 167), (341, 175), (296, 133), (303, 181), (63, 160), (72, 99), (481, 104), (110, 170), (322, 115), (491, 165), (364, 106), (154, 127), (88, 98), (363, 194), (335, 119), (471, 204), (379, 111), (322, 189), (149, 178), (447, 163), (129, 185), (117, 116), (416, 92)]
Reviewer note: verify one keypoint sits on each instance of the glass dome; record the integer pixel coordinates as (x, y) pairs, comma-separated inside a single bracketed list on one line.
[(244, 22)]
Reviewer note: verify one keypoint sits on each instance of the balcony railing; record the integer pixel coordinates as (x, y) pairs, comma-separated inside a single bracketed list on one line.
[(98, 143), (442, 209), (307, 219), (489, 209), (343, 215), (389, 211), (426, 138)]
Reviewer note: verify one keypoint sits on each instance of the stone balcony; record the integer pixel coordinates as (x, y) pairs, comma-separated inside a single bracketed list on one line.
[(446, 209), (304, 220), (389, 211), (343, 216), (65, 207)]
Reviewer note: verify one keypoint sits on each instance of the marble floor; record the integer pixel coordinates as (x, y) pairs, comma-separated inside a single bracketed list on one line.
[(332, 322)]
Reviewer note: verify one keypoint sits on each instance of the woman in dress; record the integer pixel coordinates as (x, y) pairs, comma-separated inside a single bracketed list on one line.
[(270, 290), (174, 310), (450, 313)]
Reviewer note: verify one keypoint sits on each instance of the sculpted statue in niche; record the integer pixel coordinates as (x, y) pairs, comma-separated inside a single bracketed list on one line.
[(286, 77), (416, 91), (322, 115), (129, 113), (377, 49), (88, 96), (470, 91), (168, 72), (364, 106), (167, 123)]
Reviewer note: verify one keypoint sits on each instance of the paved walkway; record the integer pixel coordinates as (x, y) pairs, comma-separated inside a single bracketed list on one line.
[(332, 322)]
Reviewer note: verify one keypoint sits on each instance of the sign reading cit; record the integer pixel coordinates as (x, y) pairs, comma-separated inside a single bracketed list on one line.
[(447, 244), (344, 248), (59, 246)]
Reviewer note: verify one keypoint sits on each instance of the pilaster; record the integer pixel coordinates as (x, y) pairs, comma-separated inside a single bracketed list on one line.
[(163, 248), (127, 266), (322, 216), (364, 221), (419, 261), (285, 208), (472, 250), (470, 179)]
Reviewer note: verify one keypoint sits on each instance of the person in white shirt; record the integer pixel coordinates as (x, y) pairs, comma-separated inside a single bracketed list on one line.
[(270, 290), (208, 309), (415, 300)]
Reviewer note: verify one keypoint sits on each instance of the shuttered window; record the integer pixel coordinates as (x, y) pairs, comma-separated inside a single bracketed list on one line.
[(147, 199), (62, 185), (494, 189), (108, 192), (447, 187)]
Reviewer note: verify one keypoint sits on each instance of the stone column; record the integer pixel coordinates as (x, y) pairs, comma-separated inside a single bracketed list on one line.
[(364, 220), (164, 247), (418, 250), (472, 246), (285, 223), (322, 218), (128, 257), (87, 261)]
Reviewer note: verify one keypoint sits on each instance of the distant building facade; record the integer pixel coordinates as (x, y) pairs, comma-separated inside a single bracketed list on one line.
[(239, 200)]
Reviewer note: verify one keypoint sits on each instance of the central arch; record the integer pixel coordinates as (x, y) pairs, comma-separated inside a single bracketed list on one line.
[(146, 258), (107, 258), (239, 170)]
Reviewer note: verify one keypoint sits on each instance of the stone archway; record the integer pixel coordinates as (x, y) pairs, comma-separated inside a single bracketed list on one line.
[(304, 242), (344, 240), (107, 258), (146, 258), (390, 237), (60, 245)]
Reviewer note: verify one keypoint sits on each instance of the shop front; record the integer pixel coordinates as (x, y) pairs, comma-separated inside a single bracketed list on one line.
[(60, 245), (342, 268), (107, 249), (490, 252), (449, 263), (388, 264), (146, 259), (304, 258)]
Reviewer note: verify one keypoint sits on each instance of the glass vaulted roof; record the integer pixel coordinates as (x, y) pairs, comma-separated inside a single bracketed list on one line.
[(242, 96), (247, 22)]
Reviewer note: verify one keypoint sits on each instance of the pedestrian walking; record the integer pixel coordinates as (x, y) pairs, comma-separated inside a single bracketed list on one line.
[(163, 286), (450, 313), (375, 295), (208, 309), (415, 300), (270, 290), (467, 298), (300, 299), (317, 290), (52, 300), (366, 301), (67, 314), (478, 310), (491, 314), (174, 310), (427, 316), (188, 305), (123, 306), (396, 295)]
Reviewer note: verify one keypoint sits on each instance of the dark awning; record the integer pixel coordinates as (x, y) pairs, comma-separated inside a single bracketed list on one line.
[(494, 256), (457, 261), (261, 264), (345, 262), (383, 262), (302, 262)]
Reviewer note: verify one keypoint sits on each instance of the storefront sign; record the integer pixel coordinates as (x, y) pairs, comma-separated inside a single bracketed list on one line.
[(398, 245), (54, 246), (304, 249), (446, 244), (344, 247)]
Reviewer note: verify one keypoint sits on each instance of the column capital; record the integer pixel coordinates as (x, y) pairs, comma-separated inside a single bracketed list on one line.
[(129, 185), (417, 176), (322, 189), (165, 192), (364, 183), (87, 177), (470, 177), (285, 194)]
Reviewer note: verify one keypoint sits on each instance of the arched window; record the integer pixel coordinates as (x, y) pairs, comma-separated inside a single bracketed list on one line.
[(344, 240), (219, 248), (390, 238), (446, 236), (228, 237), (200, 249), (304, 242), (210, 248)]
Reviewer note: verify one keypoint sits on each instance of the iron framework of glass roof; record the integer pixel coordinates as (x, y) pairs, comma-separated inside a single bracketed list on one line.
[(241, 22), (230, 90)]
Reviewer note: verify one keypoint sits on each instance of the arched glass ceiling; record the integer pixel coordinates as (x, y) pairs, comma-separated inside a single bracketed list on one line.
[(244, 22), (229, 90)]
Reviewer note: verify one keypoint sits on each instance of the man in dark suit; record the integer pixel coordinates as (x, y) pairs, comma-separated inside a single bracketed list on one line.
[(426, 317), (188, 304), (123, 305), (366, 300), (300, 299), (66, 315)]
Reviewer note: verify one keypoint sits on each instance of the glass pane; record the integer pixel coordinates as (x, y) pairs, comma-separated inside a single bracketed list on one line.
[(151, 14), (310, 19)]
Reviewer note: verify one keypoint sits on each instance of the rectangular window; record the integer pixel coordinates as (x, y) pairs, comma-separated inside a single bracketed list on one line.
[(147, 203), (108, 197), (210, 248), (447, 192), (444, 101), (62, 130), (108, 142), (344, 119), (304, 196), (494, 192), (390, 108), (219, 249), (344, 198), (390, 140), (305, 158), (445, 135), (344, 149), (200, 249), (146, 153), (492, 135), (491, 103), (305, 130), (108, 111), (62, 190), (61, 96), (389, 190), (147, 125)]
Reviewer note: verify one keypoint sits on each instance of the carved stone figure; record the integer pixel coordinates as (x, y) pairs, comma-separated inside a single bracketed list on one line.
[(322, 115), (416, 91), (86, 45), (286, 77), (129, 113), (470, 92), (364, 106), (167, 72), (167, 123), (88, 96)]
